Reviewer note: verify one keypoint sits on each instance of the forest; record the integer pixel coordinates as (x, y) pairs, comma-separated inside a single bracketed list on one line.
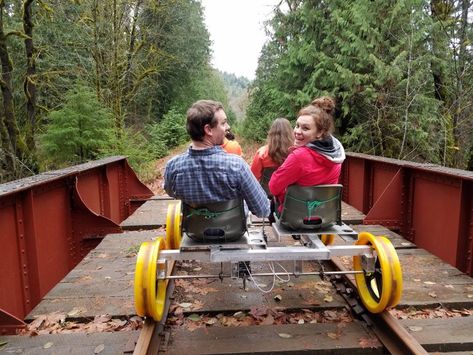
[(85, 79)]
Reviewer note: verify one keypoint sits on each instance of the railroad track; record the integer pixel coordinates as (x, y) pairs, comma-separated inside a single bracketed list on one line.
[(316, 315), (392, 336)]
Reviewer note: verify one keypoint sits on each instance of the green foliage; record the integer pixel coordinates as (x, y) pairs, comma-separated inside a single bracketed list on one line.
[(78, 131), (168, 133), (375, 58), (138, 150)]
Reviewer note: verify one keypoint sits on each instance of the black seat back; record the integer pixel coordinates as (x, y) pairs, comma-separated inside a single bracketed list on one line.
[(215, 222), (264, 181), (312, 207)]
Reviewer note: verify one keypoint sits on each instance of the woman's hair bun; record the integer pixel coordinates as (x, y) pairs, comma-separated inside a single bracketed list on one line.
[(325, 103)]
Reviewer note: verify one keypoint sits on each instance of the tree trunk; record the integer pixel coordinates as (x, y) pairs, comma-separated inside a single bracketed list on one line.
[(9, 120), (440, 13), (460, 102), (96, 53), (29, 85)]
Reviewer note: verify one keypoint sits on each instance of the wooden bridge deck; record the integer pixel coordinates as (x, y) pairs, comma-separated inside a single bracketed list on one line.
[(103, 284)]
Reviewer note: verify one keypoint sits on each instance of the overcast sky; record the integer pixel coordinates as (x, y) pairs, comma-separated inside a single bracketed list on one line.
[(237, 32)]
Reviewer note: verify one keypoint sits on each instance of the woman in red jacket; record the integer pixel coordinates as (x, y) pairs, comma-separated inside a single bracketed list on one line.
[(318, 156)]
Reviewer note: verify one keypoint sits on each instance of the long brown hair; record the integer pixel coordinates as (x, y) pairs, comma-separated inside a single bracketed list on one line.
[(280, 139), (321, 109)]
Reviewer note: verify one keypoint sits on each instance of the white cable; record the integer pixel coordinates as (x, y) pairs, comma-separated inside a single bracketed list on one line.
[(271, 267), (256, 284)]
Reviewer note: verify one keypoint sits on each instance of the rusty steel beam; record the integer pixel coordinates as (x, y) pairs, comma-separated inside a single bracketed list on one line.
[(9, 324), (50, 221), (428, 204)]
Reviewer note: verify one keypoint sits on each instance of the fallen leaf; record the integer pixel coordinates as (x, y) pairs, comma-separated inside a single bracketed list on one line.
[(48, 345), (328, 298), (285, 335), (433, 294), (185, 304), (333, 336), (300, 321), (429, 283), (239, 314), (103, 318), (268, 320), (197, 269), (193, 326), (417, 280), (211, 321), (278, 298), (369, 343), (99, 349), (415, 328), (449, 286), (194, 317), (75, 311)]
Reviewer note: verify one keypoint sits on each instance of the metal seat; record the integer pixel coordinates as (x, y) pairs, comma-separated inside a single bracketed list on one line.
[(265, 177), (311, 207), (215, 222)]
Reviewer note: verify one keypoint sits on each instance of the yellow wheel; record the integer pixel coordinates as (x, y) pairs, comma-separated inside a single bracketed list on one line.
[(150, 294), (374, 288), (173, 226), (396, 272), (327, 239)]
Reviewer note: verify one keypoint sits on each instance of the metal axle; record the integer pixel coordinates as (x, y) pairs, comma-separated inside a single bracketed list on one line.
[(296, 274)]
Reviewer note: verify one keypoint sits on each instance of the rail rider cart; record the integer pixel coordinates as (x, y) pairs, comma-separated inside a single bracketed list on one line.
[(219, 233)]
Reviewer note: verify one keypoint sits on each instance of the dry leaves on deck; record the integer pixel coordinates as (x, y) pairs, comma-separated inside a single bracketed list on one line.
[(260, 315), (429, 313), (57, 323), (195, 286)]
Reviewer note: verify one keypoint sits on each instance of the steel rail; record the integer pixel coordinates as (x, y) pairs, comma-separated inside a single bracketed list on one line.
[(392, 335), (149, 340), (388, 329)]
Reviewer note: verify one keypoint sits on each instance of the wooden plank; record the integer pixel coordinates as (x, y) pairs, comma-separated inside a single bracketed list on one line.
[(295, 338), (350, 215), (442, 335), (102, 282), (150, 215), (228, 295), (72, 344)]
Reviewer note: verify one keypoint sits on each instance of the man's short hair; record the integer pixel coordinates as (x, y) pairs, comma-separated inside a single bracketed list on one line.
[(200, 114)]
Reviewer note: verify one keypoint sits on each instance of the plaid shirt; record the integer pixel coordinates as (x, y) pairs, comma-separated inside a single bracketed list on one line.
[(211, 175)]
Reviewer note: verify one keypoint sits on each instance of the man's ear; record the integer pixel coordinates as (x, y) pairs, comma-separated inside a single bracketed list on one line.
[(208, 129)]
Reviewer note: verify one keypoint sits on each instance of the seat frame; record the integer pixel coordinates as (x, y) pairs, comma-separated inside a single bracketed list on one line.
[(217, 222)]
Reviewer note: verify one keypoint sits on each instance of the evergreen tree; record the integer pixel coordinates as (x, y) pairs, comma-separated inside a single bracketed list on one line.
[(78, 131)]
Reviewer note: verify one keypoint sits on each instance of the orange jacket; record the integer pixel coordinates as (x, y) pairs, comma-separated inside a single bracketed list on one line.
[(231, 147), (261, 160)]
